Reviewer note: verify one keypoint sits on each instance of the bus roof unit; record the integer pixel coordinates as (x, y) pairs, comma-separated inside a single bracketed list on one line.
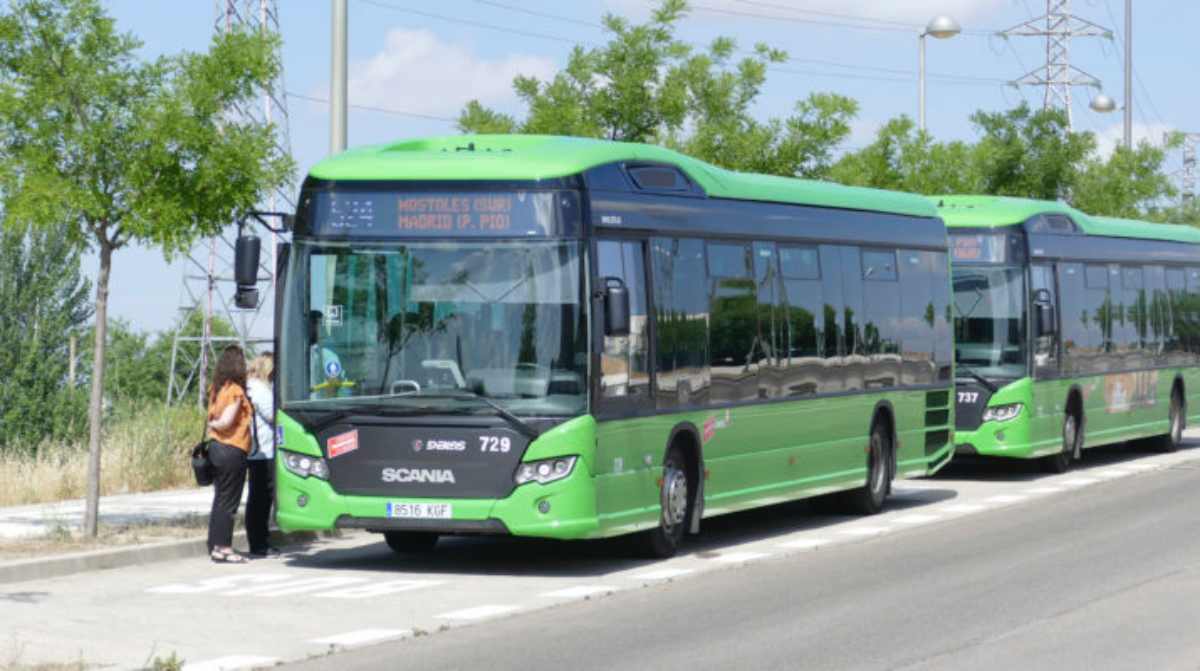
[(999, 211), (538, 157)]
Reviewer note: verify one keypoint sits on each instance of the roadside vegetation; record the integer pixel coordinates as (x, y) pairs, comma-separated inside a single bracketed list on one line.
[(146, 450)]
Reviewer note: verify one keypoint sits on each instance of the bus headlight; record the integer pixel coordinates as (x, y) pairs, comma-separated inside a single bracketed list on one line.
[(545, 471), (304, 465), (1002, 413)]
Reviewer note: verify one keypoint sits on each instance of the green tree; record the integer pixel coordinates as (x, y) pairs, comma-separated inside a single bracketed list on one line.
[(1129, 183), (904, 159), (120, 150), (644, 85), (44, 302), (1030, 154)]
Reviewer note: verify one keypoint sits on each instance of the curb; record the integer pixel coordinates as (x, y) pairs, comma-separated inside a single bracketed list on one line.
[(95, 560)]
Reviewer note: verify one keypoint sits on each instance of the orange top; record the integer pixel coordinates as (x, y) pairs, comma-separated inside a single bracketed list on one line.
[(237, 434)]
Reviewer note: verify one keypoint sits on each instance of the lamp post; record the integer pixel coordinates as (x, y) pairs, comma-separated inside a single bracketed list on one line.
[(1103, 104), (942, 27)]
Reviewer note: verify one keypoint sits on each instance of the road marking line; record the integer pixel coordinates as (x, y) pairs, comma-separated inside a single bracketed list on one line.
[(1037, 491), (214, 584), (1142, 467), (662, 574), (917, 519), (1077, 482), (864, 531), (805, 544), (298, 587), (1112, 473), (1005, 498), (961, 508), (579, 592), (379, 589), (231, 662), (361, 637), (477, 613), (740, 557)]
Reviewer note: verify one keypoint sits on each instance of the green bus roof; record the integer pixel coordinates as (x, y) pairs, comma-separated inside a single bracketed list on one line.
[(997, 211), (535, 157)]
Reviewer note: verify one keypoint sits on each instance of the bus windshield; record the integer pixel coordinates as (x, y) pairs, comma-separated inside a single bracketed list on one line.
[(429, 325), (989, 325)]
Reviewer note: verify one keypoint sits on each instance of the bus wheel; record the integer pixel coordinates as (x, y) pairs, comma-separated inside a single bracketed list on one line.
[(869, 498), (675, 497), (409, 542), (1060, 462), (1170, 442)]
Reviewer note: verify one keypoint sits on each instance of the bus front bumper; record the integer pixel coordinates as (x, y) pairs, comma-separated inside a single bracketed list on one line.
[(998, 439), (565, 509)]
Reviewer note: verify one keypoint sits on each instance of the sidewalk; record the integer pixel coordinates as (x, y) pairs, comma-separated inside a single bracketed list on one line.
[(28, 524), (45, 519)]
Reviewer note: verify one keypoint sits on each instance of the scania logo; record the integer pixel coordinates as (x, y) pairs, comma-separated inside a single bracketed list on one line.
[(417, 445), (437, 476)]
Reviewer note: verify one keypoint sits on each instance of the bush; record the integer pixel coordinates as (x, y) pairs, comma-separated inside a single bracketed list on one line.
[(146, 448)]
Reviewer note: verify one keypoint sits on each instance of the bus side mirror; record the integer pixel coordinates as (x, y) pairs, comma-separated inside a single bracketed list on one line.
[(616, 307), (245, 270), (1044, 319)]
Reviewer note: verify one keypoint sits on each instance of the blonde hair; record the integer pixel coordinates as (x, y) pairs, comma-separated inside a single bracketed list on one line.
[(262, 366)]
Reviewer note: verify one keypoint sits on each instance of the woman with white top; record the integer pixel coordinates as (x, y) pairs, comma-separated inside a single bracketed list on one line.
[(261, 462)]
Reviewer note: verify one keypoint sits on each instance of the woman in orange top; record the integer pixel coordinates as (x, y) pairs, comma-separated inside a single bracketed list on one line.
[(229, 418)]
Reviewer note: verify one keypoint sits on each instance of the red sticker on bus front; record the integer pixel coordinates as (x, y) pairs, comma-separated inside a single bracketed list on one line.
[(342, 443)]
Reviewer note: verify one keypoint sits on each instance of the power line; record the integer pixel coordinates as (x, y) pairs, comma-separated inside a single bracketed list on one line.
[(906, 75), (852, 17), (470, 22), (370, 108)]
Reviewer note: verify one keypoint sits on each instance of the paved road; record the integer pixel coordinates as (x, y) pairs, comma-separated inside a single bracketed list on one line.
[(957, 560), (1106, 579)]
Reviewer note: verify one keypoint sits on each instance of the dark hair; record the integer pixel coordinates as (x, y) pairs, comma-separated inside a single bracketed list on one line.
[(231, 367)]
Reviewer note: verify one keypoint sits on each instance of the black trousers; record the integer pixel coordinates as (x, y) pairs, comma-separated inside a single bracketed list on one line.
[(229, 466), (258, 503)]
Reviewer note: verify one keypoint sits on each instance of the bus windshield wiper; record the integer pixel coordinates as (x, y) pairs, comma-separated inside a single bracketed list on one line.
[(517, 423), (341, 412), (979, 378)]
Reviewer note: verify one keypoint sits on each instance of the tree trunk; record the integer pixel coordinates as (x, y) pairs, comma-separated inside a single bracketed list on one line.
[(91, 516)]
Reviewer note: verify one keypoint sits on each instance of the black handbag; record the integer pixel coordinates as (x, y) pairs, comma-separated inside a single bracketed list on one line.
[(202, 466)]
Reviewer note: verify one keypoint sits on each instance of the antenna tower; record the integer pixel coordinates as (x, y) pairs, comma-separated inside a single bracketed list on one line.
[(208, 277), (1058, 76), (1187, 173)]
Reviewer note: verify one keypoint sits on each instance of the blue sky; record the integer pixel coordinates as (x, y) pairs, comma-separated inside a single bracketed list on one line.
[(422, 59)]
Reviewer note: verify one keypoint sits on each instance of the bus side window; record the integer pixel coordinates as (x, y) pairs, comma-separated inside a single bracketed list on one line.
[(1078, 330), (623, 367), (1045, 347)]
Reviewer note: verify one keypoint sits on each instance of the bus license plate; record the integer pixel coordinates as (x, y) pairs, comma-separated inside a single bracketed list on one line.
[(420, 511)]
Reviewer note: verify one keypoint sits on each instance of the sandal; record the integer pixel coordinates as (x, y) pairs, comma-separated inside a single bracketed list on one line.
[(227, 557)]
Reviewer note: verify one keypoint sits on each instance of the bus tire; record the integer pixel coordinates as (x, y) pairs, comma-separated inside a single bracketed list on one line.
[(1170, 441), (1072, 435), (869, 499), (410, 542), (675, 499)]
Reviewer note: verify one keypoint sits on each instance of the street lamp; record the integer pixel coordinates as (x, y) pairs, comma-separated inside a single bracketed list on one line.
[(943, 28), (1103, 104)]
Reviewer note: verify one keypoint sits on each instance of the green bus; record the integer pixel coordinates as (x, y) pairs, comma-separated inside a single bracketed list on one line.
[(572, 338), (1071, 331)]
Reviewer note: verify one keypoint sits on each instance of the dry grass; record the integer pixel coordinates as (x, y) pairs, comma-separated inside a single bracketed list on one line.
[(142, 451)]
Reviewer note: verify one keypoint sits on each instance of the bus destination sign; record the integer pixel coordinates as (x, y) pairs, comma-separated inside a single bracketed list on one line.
[(385, 214)]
